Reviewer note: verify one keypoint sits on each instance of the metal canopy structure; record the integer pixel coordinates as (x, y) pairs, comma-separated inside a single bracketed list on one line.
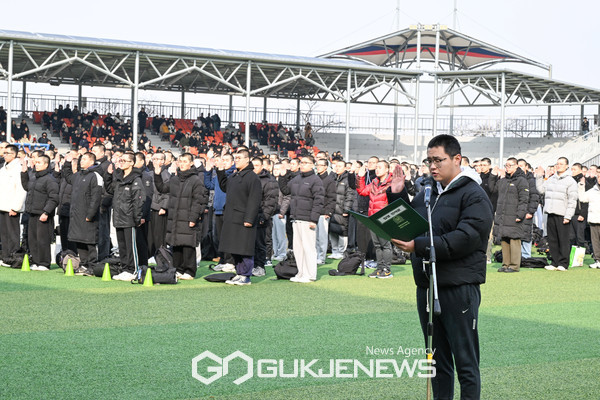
[(450, 49), (83, 61)]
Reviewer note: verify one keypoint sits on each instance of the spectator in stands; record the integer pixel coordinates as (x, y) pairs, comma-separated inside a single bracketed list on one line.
[(306, 206), (126, 186), (513, 199), (309, 140), (585, 126), (376, 191), (84, 209), (12, 203), (560, 201), (240, 216), (44, 138), (40, 204), (329, 202), (142, 118)]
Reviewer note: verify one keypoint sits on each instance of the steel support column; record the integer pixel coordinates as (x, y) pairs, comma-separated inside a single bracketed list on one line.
[(23, 98), (549, 122), (9, 92), (435, 104), (582, 114), (502, 118), (265, 109), (298, 113), (416, 138), (134, 106), (348, 97), (247, 119), (182, 103), (79, 97), (231, 109)]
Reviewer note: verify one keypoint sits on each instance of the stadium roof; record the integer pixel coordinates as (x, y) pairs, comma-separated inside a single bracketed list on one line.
[(62, 59), (456, 50)]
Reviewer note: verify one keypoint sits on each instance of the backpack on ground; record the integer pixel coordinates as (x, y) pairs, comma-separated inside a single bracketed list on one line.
[(163, 276), (349, 264), (163, 258), (113, 263), (220, 277), (287, 268), (69, 255), (16, 260), (533, 262)]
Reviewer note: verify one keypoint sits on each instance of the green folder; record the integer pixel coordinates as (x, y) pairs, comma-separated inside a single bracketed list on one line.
[(397, 220)]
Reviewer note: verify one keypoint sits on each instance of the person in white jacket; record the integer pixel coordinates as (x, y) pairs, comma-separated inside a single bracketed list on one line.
[(12, 203), (592, 196), (560, 201)]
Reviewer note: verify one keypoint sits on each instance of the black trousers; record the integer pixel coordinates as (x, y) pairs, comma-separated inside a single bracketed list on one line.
[(260, 246), (127, 249), (141, 239), (558, 240), (63, 226), (10, 234), (577, 235), (157, 232), (226, 258), (40, 238), (104, 233), (269, 238), (455, 337), (88, 254), (184, 260)]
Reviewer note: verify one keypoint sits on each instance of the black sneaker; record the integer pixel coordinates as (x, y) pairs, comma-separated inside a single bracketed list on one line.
[(374, 274), (384, 273)]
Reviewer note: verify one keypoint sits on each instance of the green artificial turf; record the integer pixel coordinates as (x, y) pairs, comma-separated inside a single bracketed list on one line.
[(81, 338)]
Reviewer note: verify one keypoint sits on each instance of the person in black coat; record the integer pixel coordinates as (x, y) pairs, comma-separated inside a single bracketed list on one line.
[(240, 216), (187, 200), (461, 222), (157, 226), (338, 225), (125, 185), (329, 188), (511, 209), (268, 205), (64, 206), (40, 204), (86, 195), (532, 206), (141, 232)]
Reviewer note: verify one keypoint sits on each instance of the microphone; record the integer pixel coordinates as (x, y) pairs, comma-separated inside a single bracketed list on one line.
[(427, 189)]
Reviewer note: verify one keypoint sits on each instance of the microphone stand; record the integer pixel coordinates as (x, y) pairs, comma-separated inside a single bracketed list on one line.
[(432, 294)]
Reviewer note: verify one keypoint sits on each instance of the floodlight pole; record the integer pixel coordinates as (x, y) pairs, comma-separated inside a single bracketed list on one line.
[(416, 136), (435, 82), (9, 94), (136, 82)]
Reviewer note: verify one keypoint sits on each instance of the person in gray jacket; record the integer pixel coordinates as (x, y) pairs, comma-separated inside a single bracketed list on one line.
[(560, 201)]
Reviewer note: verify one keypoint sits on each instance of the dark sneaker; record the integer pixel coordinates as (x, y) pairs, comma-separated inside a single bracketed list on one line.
[(503, 269), (243, 280), (374, 274), (258, 271), (384, 273)]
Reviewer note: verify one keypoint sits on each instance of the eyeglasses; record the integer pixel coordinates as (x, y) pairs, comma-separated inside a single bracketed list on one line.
[(305, 162), (124, 161), (509, 165), (437, 161)]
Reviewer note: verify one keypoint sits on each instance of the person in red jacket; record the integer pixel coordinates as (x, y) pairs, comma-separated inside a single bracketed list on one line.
[(378, 200)]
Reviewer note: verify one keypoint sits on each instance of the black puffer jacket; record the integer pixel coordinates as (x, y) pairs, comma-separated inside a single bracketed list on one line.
[(64, 197), (462, 219), (344, 200), (187, 200), (329, 192), (161, 200), (306, 196), (513, 201), (101, 167), (270, 196), (128, 196), (488, 181), (532, 206), (42, 192), (85, 203)]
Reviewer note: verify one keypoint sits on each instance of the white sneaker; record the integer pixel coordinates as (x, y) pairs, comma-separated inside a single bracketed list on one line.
[(595, 265), (178, 274), (294, 279), (124, 276), (42, 268), (2, 263), (258, 271), (303, 280), (233, 280), (186, 277), (151, 261), (228, 268), (550, 267), (561, 268), (33, 267)]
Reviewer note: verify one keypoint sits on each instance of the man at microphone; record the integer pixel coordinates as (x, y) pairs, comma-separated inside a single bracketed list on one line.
[(461, 221)]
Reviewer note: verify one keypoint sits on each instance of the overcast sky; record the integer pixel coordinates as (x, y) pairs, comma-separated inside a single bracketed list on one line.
[(561, 33)]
